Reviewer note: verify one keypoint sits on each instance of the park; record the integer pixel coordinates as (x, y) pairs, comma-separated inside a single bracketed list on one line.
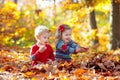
[(94, 24)]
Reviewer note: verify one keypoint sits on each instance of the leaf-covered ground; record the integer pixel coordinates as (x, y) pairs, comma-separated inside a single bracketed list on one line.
[(15, 65)]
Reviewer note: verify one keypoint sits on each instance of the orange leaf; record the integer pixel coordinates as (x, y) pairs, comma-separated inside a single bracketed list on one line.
[(79, 72), (7, 68)]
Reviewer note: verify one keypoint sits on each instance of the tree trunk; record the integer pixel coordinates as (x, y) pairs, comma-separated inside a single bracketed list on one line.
[(115, 25), (93, 25), (2, 1), (15, 1)]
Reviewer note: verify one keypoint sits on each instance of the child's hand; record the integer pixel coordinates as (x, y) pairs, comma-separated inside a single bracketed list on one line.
[(42, 48), (82, 49), (77, 49)]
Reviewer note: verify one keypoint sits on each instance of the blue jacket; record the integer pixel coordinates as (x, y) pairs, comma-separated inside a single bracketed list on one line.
[(63, 51)]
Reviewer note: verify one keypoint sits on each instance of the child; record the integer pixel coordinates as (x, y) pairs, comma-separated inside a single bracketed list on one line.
[(64, 45), (41, 51)]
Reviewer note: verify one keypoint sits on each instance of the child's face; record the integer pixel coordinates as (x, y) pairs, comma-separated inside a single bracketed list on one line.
[(66, 35), (43, 38)]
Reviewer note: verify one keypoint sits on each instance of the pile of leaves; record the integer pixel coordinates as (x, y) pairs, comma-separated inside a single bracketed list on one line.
[(16, 65), (105, 64)]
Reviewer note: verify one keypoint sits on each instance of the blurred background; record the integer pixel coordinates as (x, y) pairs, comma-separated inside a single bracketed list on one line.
[(95, 23)]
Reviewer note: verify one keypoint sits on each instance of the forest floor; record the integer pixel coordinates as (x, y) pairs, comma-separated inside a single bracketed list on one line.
[(15, 64)]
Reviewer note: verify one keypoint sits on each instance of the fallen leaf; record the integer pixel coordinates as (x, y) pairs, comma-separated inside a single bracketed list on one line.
[(79, 72)]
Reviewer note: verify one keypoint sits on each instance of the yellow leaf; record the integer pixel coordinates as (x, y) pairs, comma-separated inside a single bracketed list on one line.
[(3, 29), (34, 79), (29, 74), (24, 68), (84, 78), (64, 78)]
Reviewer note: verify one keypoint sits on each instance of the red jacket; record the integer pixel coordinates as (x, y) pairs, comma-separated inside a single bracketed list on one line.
[(43, 57)]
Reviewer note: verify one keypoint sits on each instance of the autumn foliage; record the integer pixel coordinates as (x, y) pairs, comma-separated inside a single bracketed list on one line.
[(17, 35), (101, 66)]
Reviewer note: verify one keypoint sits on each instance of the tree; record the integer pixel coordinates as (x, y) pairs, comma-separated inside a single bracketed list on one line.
[(16, 1), (2, 1), (92, 19), (115, 25), (93, 24)]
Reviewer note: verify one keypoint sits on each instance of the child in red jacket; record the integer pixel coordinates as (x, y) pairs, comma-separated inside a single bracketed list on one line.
[(41, 51)]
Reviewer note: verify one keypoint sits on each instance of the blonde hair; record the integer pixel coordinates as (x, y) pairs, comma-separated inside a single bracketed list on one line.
[(40, 29), (58, 34)]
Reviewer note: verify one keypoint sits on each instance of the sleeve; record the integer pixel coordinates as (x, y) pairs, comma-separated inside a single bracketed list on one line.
[(34, 52), (74, 45)]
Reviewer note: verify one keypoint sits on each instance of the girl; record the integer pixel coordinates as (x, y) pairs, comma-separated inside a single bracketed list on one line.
[(41, 51), (64, 45)]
